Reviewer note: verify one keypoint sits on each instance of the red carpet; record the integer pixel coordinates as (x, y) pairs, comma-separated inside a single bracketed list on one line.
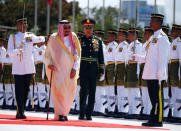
[(10, 119)]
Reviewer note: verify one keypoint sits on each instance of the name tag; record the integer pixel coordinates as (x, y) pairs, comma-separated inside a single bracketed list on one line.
[(155, 40), (174, 47), (120, 49)]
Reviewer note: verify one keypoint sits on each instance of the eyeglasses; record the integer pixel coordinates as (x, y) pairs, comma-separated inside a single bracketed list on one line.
[(67, 27)]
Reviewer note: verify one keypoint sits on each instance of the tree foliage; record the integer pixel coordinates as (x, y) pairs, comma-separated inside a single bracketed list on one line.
[(11, 10)]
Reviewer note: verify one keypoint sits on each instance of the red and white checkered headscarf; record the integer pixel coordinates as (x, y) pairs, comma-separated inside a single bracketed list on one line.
[(61, 35)]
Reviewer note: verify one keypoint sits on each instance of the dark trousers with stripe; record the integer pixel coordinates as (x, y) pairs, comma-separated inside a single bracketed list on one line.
[(87, 91), (156, 97), (22, 83)]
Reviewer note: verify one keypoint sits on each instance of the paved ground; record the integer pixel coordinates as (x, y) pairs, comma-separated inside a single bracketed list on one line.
[(20, 127)]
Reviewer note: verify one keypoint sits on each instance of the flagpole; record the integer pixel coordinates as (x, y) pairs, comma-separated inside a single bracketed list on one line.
[(135, 25), (119, 14), (60, 11), (155, 7), (103, 17), (35, 26), (174, 2), (48, 19), (88, 9), (73, 19), (23, 12)]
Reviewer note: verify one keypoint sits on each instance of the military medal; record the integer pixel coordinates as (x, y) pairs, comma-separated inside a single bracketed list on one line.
[(95, 45), (110, 50)]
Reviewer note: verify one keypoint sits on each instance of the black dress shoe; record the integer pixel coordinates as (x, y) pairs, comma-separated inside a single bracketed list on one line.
[(89, 118), (129, 116), (81, 117), (61, 118), (20, 116), (152, 124), (65, 118)]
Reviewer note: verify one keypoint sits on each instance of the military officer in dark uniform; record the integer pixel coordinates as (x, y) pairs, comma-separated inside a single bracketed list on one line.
[(91, 67)]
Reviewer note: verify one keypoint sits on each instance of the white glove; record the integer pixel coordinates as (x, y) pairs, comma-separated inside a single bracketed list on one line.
[(102, 77)]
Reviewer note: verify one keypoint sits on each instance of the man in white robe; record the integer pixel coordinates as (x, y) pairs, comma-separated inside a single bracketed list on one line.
[(62, 61)]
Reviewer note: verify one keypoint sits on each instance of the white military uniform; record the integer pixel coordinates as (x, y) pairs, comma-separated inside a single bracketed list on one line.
[(9, 87), (144, 90), (134, 99), (20, 49), (110, 89), (156, 68), (174, 55), (177, 91), (2, 91), (40, 87), (155, 63), (23, 64), (100, 98), (121, 56)]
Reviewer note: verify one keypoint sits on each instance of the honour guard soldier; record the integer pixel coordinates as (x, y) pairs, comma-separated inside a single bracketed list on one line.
[(2, 88), (100, 98), (146, 104), (20, 49), (8, 61), (121, 58), (110, 71), (91, 67), (100, 34), (132, 75), (166, 87), (173, 71), (8, 80), (165, 29), (155, 69), (39, 51)]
